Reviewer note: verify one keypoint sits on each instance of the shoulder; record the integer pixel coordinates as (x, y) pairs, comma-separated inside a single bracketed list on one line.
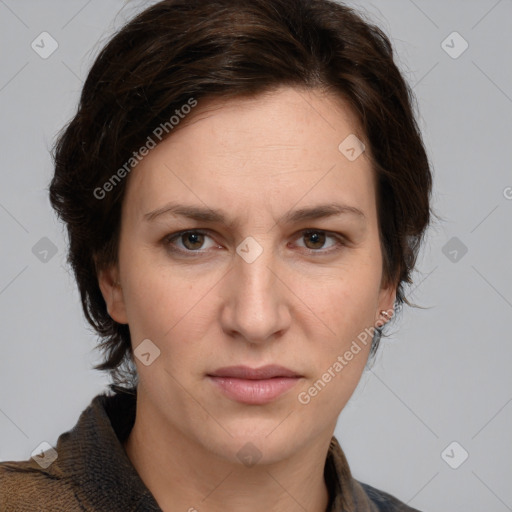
[(72, 476), (351, 494), (383, 501), (25, 486)]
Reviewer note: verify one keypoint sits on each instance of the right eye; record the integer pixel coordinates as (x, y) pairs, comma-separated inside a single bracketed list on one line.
[(190, 241)]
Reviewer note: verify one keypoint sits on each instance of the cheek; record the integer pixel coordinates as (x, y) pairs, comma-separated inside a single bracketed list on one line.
[(347, 297), (345, 304), (150, 297), (164, 303), (340, 357)]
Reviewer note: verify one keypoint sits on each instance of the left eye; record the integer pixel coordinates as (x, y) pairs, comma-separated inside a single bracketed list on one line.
[(317, 239)]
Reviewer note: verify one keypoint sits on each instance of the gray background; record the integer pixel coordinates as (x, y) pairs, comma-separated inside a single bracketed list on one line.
[(443, 376)]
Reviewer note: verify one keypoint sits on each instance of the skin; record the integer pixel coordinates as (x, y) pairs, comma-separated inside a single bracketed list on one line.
[(300, 304)]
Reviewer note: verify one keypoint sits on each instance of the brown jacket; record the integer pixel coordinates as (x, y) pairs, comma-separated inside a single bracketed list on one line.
[(93, 473)]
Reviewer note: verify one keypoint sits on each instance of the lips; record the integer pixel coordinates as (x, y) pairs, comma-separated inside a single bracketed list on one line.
[(254, 386), (245, 372)]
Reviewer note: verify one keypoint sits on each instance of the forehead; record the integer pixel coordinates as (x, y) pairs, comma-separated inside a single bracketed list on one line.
[(268, 151)]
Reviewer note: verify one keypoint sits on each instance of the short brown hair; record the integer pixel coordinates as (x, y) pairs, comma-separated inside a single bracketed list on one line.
[(182, 49)]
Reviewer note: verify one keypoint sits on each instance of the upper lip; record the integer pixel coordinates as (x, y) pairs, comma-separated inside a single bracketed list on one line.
[(246, 372)]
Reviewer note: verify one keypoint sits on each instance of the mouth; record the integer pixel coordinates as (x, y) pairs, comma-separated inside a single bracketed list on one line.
[(255, 386)]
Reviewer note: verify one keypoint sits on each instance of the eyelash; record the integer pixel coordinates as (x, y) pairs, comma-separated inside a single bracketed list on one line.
[(169, 239)]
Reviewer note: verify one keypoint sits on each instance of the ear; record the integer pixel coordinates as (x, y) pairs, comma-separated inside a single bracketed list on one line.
[(386, 302), (108, 280)]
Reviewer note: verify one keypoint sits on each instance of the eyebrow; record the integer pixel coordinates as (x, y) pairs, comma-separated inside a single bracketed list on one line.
[(204, 214)]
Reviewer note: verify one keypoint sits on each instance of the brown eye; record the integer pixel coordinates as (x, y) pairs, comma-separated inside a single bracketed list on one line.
[(316, 239), (318, 242), (192, 240)]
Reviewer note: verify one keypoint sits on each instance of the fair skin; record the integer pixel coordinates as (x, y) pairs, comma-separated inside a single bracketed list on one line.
[(299, 304)]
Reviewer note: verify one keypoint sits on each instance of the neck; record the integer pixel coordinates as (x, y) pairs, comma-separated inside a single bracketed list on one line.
[(182, 475)]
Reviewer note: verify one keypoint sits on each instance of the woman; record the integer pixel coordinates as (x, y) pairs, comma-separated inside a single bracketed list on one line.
[(245, 191)]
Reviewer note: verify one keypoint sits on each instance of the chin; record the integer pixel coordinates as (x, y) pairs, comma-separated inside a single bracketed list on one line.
[(257, 442)]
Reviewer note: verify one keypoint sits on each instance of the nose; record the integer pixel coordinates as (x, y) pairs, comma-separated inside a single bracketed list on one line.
[(256, 301)]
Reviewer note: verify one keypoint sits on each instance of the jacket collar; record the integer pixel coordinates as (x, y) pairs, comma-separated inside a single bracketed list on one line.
[(92, 454)]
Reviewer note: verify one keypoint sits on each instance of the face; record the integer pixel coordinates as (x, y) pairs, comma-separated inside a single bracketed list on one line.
[(248, 239)]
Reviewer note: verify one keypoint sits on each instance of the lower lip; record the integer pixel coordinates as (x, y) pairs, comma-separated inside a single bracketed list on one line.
[(255, 392)]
